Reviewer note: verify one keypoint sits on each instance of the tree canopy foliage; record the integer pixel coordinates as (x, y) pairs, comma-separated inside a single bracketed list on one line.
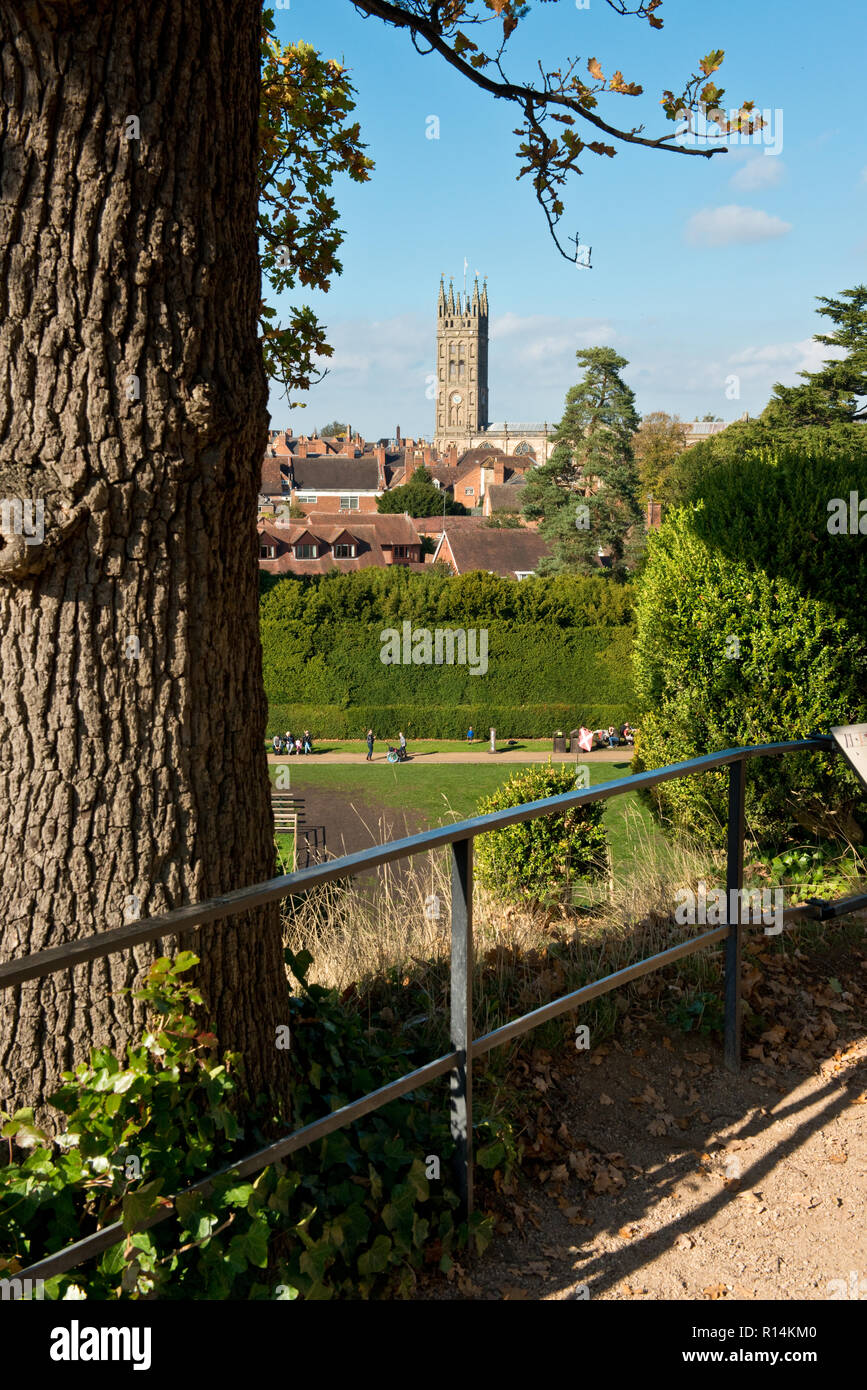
[(657, 443), (305, 138), (557, 109), (419, 497), (586, 495)]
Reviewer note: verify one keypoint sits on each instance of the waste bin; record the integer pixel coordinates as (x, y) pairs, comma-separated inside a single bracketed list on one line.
[(559, 743), (574, 746)]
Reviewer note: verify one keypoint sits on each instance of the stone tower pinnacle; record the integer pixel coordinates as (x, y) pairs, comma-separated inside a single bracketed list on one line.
[(461, 365)]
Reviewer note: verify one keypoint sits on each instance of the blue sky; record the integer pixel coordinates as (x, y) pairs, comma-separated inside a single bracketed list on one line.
[(704, 270)]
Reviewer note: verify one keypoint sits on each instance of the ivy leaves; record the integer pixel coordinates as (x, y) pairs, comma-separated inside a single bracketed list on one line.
[(354, 1215)]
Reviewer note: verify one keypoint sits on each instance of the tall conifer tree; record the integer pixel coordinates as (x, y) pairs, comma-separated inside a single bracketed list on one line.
[(587, 495)]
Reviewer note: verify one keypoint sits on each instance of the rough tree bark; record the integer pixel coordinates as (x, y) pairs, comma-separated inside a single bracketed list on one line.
[(132, 711)]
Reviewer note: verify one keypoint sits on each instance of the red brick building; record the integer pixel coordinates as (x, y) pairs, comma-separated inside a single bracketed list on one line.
[(337, 541)]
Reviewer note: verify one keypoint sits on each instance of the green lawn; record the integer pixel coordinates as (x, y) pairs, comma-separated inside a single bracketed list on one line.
[(442, 792)]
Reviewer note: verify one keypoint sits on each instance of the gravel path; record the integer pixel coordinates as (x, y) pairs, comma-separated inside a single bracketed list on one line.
[(502, 755), (662, 1176)]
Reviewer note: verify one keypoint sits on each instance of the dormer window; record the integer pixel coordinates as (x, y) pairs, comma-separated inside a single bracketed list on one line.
[(306, 551), (344, 551)]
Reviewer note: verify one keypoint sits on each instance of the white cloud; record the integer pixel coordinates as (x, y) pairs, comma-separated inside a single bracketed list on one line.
[(761, 172), (731, 224), (783, 361)]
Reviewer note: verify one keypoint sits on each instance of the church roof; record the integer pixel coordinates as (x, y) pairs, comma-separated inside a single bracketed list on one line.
[(504, 427)]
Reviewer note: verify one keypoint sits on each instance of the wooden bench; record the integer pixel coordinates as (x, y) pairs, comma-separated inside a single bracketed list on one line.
[(289, 819)]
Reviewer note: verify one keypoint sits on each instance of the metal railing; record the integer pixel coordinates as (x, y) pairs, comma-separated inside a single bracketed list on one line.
[(458, 1062)]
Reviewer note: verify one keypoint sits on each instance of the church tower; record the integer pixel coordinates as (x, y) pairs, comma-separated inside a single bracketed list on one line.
[(462, 365)]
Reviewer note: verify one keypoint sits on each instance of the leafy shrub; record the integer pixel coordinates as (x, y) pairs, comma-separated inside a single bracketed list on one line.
[(770, 576), (349, 1217), (536, 860)]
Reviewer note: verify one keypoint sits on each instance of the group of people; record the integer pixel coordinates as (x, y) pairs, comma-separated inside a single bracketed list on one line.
[(588, 739), (285, 743), (402, 746)]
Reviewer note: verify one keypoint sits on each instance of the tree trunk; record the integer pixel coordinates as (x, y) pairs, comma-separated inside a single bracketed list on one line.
[(133, 777)]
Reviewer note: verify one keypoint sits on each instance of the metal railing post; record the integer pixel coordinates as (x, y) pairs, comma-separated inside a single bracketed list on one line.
[(734, 887), (461, 1077)]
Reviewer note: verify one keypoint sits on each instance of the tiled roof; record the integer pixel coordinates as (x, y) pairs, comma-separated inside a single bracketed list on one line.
[(272, 478), (506, 497), (506, 552), (479, 453), (432, 525), (444, 473), (372, 532), (336, 473)]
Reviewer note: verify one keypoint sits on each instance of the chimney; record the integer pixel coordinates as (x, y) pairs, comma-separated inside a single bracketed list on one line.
[(427, 456), (397, 436), (452, 456), (301, 449), (654, 514), (380, 466)]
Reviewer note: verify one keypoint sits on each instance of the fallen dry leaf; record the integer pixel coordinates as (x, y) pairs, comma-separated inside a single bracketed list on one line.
[(775, 1034), (581, 1164)]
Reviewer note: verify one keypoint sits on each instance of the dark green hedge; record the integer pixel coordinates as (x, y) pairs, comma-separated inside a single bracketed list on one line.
[(558, 654)]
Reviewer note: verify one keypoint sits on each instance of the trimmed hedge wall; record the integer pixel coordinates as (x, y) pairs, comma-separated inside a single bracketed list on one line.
[(558, 654)]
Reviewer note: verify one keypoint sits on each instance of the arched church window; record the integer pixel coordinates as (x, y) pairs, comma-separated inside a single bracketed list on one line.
[(524, 448)]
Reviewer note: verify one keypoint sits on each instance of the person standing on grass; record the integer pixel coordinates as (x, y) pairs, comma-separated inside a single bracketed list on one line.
[(369, 745), (402, 738), (470, 734)]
